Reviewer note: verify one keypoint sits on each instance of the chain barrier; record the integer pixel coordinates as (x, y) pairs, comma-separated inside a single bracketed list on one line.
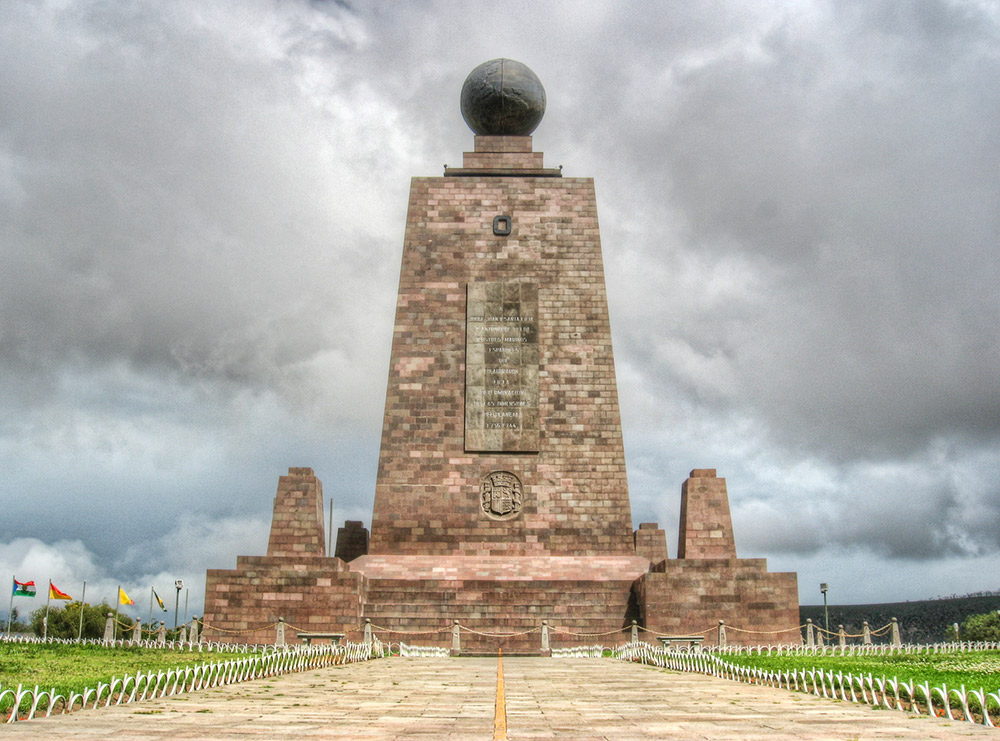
[(556, 630), (297, 629), (247, 631), (674, 635), (763, 632), (410, 632), (562, 631), (836, 633), (500, 635)]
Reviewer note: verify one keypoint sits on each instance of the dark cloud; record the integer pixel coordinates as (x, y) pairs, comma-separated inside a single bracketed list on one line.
[(201, 213)]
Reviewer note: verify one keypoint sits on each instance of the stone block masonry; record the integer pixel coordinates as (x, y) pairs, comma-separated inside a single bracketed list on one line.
[(432, 472), (706, 529), (651, 542), (686, 596), (297, 522)]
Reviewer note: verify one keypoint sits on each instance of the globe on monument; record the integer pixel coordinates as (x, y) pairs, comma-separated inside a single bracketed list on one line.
[(502, 97)]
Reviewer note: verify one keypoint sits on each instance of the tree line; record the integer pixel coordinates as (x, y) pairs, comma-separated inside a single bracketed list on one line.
[(924, 621), (64, 621)]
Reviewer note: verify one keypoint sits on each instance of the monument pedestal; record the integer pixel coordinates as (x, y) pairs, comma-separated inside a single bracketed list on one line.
[(497, 595)]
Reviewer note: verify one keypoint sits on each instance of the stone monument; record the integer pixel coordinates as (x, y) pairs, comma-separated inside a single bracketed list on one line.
[(501, 498)]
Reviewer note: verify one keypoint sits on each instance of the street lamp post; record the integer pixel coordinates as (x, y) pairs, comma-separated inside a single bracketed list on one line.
[(178, 585), (826, 614)]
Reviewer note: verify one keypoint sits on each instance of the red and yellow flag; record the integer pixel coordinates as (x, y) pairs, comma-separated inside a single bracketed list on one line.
[(55, 593), (124, 598)]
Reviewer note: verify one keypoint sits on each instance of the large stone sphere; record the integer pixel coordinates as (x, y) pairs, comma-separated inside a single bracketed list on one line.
[(502, 98)]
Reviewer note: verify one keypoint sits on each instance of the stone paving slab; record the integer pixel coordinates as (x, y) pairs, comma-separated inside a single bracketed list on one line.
[(454, 699)]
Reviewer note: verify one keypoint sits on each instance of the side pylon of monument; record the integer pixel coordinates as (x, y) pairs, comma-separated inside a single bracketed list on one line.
[(707, 583), (501, 497), (295, 582)]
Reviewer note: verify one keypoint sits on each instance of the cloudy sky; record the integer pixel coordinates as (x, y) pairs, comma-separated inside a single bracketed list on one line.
[(201, 220)]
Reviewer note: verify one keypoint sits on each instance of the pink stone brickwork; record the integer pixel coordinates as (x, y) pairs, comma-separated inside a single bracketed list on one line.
[(502, 155), (297, 523), (651, 542), (427, 495), (577, 596), (688, 596), (312, 594), (706, 529), (578, 612)]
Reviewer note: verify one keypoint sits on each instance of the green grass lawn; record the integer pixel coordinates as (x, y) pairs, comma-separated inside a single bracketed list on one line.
[(70, 668), (974, 669)]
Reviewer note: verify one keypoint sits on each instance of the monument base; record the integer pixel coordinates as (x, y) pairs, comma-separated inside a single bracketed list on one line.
[(503, 601), (500, 602)]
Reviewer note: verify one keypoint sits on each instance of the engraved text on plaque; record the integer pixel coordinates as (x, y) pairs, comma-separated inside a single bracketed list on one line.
[(501, 367)]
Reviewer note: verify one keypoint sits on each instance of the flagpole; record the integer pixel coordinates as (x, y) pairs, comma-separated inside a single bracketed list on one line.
[(79, 633), (118, 601), (10, 608), (150, 607), (45, 622)]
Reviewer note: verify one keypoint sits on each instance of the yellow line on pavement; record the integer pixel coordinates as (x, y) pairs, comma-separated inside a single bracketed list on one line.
[(500, 716)]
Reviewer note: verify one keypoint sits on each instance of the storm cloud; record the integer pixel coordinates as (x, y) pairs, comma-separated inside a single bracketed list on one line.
[(201, 218)]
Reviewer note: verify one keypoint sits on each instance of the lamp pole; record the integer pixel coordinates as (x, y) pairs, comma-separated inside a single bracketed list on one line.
[(178, 585), (826, 614)]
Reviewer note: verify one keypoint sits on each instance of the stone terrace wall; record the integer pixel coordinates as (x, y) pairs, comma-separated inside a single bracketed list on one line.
[(689, 596), (315, 594)]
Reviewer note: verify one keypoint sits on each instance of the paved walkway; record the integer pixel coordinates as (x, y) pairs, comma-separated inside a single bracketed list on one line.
[(454, 699)]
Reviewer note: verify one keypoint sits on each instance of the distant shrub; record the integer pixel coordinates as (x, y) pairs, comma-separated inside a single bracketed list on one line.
[(984, 627), (64, 622), (16, 625), (923, 621)]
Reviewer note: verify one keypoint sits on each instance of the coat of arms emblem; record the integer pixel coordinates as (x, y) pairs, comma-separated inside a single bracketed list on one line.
[(501, 495)]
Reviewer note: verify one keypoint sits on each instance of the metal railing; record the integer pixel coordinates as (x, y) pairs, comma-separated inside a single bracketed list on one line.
[(256, 663), (881, 692)]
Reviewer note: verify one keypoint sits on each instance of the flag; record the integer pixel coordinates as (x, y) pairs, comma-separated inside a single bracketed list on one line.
[(159, 601), (123, 598), (54, 592), (24, 589)]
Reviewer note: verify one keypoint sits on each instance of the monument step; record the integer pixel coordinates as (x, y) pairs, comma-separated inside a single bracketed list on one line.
[(588, 569)]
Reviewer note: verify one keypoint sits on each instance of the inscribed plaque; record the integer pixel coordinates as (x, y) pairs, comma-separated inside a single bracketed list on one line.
[(501, 367)]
